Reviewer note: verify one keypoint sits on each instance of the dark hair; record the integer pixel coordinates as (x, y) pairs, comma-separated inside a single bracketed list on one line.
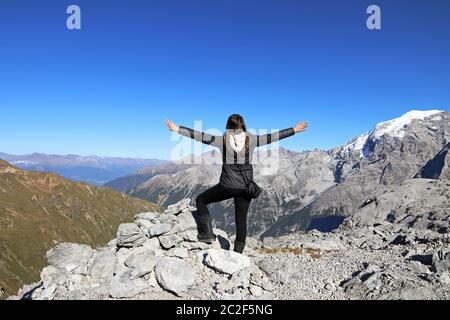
[(236, 121)]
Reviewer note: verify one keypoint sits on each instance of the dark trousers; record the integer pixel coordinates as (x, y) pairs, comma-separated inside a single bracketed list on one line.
[(241, 203)]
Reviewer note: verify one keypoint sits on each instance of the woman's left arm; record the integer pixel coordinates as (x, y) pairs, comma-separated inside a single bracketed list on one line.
[(262, 140)]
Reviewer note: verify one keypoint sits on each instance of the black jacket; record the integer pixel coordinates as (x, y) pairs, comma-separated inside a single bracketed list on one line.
[(233, 162)]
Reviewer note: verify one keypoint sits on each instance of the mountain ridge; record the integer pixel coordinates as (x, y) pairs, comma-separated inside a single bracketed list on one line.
[(91, 169), (39, 208)]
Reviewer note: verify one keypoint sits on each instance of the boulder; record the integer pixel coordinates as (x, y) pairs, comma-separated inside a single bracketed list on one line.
[(177, 208), (150, 216), (151, 244), (376, 283), (225, 261), (71, 256), (185, 221), (102, 266), (122, 286), (158, 229), (174, 275), (169, 241), (141, 264), (179, 253), (130, 235)]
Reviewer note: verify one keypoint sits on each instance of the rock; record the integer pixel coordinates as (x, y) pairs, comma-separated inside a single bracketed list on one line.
[(130, 235), (102, 266), (141, 264), (387, 285), (153, 283), (119, 264), (150, 216), (256, 291), (71, 257), (151, 244), (185, 221), (226, 261), (122, 286), (189, 235), (48, 293), (279, 271), (441, 265), (441, 261), (329, 287), (159, 229), (177, 208), (196, 245), (179, 253), (51, 275), (417, 267), (174, 275), (144, 224), (112, 243), (241, 278), (169, 241)]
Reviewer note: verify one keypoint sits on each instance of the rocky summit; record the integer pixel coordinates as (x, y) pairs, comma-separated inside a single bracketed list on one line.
[(158, 257), (155, 257)]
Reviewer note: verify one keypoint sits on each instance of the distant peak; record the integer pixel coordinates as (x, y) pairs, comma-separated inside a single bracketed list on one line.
[(394, 128)]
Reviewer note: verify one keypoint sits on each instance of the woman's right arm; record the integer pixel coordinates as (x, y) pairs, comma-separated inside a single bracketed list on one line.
[(205, 138)]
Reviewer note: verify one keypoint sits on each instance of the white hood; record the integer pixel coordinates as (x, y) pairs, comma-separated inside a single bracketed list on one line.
[(237, 141)]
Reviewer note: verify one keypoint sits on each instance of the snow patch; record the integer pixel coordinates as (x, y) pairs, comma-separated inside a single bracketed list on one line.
[(356, 145), (395, 127)]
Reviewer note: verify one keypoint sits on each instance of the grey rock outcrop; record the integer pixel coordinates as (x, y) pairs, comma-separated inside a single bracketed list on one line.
[(71, 257), (226, 261), (140, 264), (175, 275), (130, 235)]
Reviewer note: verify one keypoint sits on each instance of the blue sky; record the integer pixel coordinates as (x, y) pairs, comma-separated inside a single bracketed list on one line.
[(106, 89)]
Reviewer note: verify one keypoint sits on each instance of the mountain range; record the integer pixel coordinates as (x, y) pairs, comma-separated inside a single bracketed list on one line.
[(39, 210), (90, 169), (312, 184)]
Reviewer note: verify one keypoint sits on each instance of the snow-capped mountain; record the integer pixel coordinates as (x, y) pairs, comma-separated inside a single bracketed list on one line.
[(391, 153), (393, 128)]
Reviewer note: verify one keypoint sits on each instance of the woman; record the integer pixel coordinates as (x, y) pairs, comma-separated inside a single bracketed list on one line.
[(237, 146)]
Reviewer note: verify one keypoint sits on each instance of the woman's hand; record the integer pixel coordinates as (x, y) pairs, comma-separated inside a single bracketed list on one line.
[(299, 127), (172, 126)]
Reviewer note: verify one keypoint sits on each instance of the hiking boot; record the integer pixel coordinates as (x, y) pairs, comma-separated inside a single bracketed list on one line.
[(239, 246), (205, 232)]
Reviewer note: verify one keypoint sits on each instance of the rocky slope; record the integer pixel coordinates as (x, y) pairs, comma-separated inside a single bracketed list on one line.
[(390, 154), (38, 210), (158, 257), (320, 183)]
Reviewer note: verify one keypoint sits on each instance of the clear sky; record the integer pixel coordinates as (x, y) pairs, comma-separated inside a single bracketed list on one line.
[(107, 88)]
